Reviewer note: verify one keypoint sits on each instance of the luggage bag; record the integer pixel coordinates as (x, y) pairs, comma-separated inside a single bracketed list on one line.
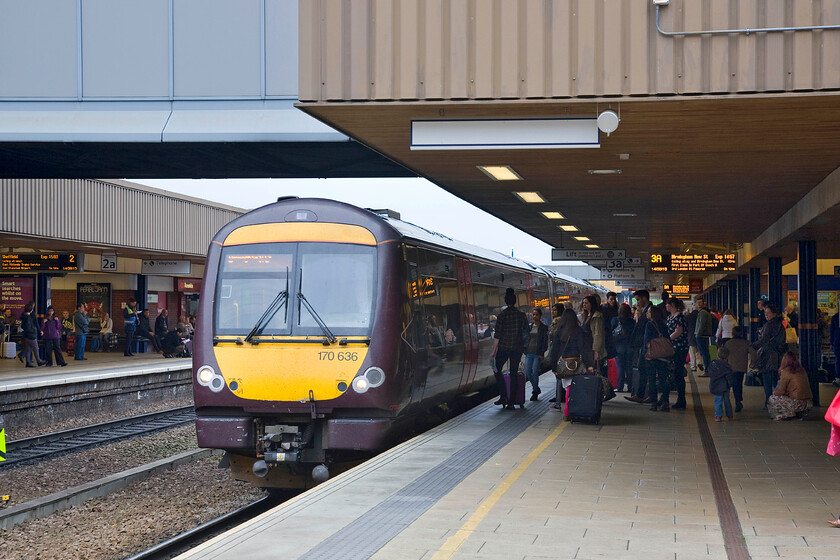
[(612, 373), (584, 399), (519, 397), (9, 350)]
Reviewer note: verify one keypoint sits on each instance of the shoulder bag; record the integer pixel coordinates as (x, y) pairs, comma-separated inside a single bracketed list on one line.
[(569, 367), (659, 348)]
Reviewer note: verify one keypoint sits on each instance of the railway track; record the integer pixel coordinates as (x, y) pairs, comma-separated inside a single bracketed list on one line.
[(38, 448), (192, 538)]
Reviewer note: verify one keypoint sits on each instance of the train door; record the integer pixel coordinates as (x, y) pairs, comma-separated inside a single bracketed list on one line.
[(413, 339), (468, 322)]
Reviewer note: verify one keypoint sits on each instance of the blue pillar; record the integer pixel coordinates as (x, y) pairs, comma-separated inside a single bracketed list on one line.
[(774, 282), (42, 293), (755, 294), (733, 298), (744, 304), (809, 332), (142, 292)]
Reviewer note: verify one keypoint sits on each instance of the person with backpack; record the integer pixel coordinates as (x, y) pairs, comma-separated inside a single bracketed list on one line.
[(770, 346)]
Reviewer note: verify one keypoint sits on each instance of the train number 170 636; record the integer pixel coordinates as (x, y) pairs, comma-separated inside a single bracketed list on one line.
[(330, 356)]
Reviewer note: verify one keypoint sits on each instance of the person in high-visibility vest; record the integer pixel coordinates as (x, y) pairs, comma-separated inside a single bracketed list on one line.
[(130, 324)]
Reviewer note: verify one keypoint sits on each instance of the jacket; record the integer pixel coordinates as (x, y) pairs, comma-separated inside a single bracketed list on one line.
[(720, 377), (29, 326), (727, 323), (704, 326), (639, 331), (129, 318), (539, 341), (596, 327), (654, 330), (162, 327), (52, 328), (143, 325), (794, 384), (509, 327), (574, 347), (82, 322), (739, 351), (768, 345)]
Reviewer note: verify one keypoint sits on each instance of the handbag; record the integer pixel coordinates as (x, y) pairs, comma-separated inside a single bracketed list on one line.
[(791, 336), (659, 348), (752, 378), (569, 367), (832, 414)]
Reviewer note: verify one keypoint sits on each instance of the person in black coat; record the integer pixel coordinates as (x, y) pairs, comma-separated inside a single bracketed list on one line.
[(659, 368), (769, 346), (569, 342), (30, 329), (537, 345), (623, 348), (144, 330)]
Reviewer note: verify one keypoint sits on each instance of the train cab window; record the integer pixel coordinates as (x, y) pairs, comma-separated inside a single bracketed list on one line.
[(252, 279), (339, 281)]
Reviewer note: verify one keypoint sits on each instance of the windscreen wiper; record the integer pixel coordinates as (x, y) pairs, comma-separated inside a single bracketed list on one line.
[(271, 311), (302, 299)]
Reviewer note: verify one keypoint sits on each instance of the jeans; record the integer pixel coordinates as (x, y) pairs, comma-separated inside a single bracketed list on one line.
[(659, 382), (768, 379), (502, 356), (738, 386), (532, 371), (624, 364), (721, 403), (30, 350), (81, 339), (703, 348)]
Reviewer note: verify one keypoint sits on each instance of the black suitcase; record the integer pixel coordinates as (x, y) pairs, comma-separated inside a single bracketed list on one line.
[(584, 398)]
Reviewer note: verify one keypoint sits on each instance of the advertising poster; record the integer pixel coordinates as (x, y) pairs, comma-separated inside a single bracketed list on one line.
[(827, 302), (97, 299), (15, 292)]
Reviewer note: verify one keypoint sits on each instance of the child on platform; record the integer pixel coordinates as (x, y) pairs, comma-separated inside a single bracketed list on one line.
[(720, 379)]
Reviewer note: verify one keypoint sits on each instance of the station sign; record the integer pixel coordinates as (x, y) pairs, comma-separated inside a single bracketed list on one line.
[(701, 262), (679, 291), (39, 262), (615, 263), (177, 268), (586, 254), (623, 274), (633, 285)]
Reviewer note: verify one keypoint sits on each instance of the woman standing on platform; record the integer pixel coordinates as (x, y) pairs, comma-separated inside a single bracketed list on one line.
[(52, 330), (658, 368), (725, 326), (568, 346), (678, 334), (768, 346), (622, 331)]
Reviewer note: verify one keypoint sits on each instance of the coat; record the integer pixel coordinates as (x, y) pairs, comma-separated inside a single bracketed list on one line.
[(794, 384), (769, 344), (82, 322)]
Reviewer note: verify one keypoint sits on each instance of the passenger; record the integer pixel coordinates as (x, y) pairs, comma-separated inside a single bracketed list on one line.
[(173, 343), (129, 325), (593, 329), (537, 345), (434, 338), (556, 312), (570, 354), (658, 368), (30, 330), (510, 325), (161, 326), (693, 353), (192, 325), (105, 330), (144, 330), (663, 305), (762, 318), (640, 390), (768, 346), (610, 311), (52, 329), (622, 332), (792, 317), (704, 330), (720, 379), (725, 326), (81, 323), (793, 397), (739, 350), (186, 325), (678, 334), (66, 329)]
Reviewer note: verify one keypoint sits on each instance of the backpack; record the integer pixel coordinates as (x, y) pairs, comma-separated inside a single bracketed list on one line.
[(619, 333)]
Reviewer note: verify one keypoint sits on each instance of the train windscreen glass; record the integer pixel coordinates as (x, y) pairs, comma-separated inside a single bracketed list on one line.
[(250, 279), (338, 281)]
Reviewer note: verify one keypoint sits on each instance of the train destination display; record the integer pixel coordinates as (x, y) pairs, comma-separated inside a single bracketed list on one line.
[(39, 262), (701, 262)]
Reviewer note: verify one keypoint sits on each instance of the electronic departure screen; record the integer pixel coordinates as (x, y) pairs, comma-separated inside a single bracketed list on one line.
[(703, 262), (262, 262), (39, 262)]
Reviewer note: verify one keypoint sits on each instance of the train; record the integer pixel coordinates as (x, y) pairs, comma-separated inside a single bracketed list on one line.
[(327, 332)]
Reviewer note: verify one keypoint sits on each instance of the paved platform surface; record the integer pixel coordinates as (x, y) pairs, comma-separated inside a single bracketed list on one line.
[(14, 375), (525, 484)]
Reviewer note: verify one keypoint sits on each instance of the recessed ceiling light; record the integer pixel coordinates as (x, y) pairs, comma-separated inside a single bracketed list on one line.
[(636, 237), (500, 172), (591, 246), (605, 171), (530, 197), (582, 238), (624, 215), (553, 215), (568, 228)]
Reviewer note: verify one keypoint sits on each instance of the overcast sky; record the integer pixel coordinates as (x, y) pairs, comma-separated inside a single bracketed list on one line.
[(417, 200)]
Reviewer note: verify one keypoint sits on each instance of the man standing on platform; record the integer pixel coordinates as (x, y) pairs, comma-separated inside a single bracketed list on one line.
[(130, 324), (640, 386), (82, 325), (703, 331)]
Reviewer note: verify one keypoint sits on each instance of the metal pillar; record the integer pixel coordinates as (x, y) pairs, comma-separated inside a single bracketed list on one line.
[(755, 293), (774, 282), (142, 292), (733, 298), (42, 293), (744, 304), (809, 332)]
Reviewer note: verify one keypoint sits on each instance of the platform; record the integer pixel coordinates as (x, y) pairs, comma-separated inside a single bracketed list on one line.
[(525, 484)]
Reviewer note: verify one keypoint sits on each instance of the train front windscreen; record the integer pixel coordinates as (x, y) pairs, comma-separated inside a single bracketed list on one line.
[(295, 289)]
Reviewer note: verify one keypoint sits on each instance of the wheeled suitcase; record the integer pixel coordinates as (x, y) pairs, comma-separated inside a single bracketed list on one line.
[(9, 350), (612, 373), (519, 397), (584, 398)]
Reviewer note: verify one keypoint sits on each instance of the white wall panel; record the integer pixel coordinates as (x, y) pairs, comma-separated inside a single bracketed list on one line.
[(217, 48), (38, 48), (281, 47), (126, 48)]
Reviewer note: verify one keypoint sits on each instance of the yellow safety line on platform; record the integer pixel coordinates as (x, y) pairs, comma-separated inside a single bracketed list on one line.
[(453, 543)]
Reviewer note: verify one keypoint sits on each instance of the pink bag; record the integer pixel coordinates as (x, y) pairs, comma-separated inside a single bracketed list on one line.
[(834, 441), (832, 414)]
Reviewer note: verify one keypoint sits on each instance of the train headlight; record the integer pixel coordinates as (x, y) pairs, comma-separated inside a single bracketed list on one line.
[(361, 385), (207, 377), (375, 376)]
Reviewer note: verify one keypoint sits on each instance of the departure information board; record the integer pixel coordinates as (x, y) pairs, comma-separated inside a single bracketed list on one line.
[(39, 262), (701, 262)]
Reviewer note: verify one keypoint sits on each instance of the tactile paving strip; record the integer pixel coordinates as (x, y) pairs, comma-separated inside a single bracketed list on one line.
[(370, 532)]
